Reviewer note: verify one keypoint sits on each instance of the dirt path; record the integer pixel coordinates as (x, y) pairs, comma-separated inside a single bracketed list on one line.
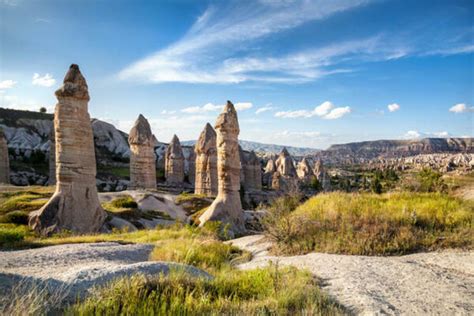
[(437, 283)]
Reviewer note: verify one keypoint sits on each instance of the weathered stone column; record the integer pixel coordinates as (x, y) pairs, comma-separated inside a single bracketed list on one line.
[(322, 176), (304, 171), (192, 167), (174, 162), (285, 165), (269, 170), (52, 158), (206, 162), (4, 160), (75, 204), (253, 172), (142, 155), (227, 207)]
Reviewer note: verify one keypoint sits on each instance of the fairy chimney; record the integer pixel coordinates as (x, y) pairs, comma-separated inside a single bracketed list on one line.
[(285, 165), (174, 162), (52, 158), (206, 162), (142, 155), (253, 172), (75, 204), (192, 167), (304, 171), (227, 207)]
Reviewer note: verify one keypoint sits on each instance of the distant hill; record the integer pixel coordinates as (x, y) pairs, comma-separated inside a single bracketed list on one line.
[(363, 151), (268, 148)]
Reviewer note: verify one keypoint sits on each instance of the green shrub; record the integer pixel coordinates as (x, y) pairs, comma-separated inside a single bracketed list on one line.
[(430, 181), (11, 234), (372, 224), (267, 291), (124, 202)]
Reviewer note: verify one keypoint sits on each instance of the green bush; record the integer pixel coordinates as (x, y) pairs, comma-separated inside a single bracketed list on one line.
[(269, 291), (430, 181), (10, 234), (373, 224)]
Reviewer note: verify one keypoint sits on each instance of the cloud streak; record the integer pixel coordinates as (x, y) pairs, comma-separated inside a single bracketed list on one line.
[(43, 81), (325, 110)]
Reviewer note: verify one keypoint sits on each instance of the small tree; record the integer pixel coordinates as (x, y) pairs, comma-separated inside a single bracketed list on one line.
[(43, 109), (430, 181), (376, 184)]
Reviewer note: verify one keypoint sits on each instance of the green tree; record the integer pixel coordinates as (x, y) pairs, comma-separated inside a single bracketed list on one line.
[(43, 109), (430, 181)]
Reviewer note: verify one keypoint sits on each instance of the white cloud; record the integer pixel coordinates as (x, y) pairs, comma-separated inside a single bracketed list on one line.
[(414, 134), (393, 107), (211, 107), (325, 110), (17, 103), (7, 84), (241, 106), (168, 112), (44, 81), (263, 109), (461, 108)]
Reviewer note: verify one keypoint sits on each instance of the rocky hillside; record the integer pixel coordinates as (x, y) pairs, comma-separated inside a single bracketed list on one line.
[(363, 152)]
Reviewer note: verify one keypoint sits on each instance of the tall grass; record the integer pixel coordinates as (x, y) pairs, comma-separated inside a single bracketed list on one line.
[(372, 224), (269, 291)]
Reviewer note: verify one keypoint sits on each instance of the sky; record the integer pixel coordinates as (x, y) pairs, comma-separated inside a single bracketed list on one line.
[(301, 73)]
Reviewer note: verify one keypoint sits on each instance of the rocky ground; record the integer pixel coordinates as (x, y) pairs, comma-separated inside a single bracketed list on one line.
[(436, 283), (72, 270)]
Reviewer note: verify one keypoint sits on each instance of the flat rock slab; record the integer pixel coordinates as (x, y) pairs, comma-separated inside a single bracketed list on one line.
[(435, 283), (77, 268)]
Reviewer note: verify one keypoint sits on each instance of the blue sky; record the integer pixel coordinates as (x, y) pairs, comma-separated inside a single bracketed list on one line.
[(301, 73)]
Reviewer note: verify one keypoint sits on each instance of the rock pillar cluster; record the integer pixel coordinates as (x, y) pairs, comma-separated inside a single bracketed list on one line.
[(4, 160), (174, 162), (227, 207), (75, 204), (142, 155), (206, 162)]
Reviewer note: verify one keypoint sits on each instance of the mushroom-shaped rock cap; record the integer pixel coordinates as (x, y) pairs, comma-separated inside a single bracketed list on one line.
[(207, 139), (140, 134), (74, 85), (174, 148), (227, 120)]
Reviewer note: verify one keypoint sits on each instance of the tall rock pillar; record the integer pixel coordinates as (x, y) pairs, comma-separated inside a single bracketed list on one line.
[(75, 204), (227, 207), (174, 162), (142, 155), (52, 158), (206, 162), (252, 172)]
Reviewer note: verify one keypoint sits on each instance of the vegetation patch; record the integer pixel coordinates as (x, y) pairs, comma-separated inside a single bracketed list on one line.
[(193, 203), (270, 291), (11, 235), (371, 224)]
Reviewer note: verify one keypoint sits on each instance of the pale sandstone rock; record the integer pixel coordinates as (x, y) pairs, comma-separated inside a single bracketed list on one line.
[(269, 170), (4, 160), (142, 155), (227, 207), (252, 172), (174, 162), (284, 164), (304, 170), (75, 204), (322, 175), (206, 162)]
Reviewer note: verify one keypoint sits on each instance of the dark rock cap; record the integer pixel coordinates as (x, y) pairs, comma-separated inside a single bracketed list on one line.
[(140, 134), (74, 85)]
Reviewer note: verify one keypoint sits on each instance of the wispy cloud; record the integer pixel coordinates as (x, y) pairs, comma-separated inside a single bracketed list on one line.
[(414, 134), (44, 81), (211, 107), (210, 43), (461, 108), (7, 84), (263, 109), (325, 110)]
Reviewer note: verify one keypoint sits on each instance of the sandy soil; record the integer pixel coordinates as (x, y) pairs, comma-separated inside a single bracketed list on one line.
[(436, 283)]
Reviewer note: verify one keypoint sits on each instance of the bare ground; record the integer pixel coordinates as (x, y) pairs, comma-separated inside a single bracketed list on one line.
[(436, 283)]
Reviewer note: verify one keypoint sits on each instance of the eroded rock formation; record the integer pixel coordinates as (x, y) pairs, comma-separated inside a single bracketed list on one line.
[(142, 155), (174, 162), (227, 207), (75, 204), (206, 162), (252, 172), (284, 164), (322, 175), (304, 171), (52, 158), (4, 160), (192, 167)]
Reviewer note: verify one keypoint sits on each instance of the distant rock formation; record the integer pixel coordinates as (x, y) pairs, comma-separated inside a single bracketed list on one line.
[(284, 164), (174, 162), (52, 158), (268, 172), (304, 171), (4, 160), (322, 176), (227, 207), (252, 172), (206, 162), (110, 139), (142, 158), (191, 160), (75, 204)]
